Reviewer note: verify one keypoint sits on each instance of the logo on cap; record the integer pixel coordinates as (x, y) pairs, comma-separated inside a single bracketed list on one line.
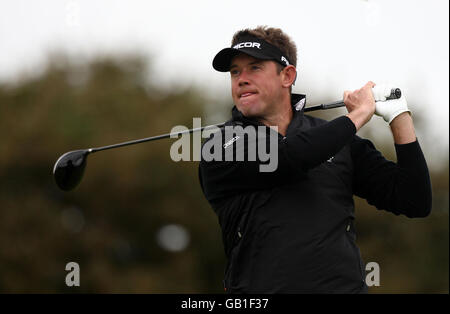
[(248, 44), (283, 59)]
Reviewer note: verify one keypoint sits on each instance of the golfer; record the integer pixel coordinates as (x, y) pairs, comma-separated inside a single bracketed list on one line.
[(291, 230)]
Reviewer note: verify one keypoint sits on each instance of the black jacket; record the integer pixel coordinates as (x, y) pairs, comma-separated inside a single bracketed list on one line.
[(291, 230)]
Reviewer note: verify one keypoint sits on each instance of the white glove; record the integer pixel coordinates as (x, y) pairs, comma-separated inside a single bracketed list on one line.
[(388, 109)]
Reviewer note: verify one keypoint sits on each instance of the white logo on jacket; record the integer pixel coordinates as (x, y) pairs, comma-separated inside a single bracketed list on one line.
[(230, 142)]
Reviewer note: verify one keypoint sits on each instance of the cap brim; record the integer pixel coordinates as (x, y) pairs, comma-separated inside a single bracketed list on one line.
[(222, 60)]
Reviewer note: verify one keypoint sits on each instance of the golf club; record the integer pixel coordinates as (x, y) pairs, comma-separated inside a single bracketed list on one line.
[(69, 168)]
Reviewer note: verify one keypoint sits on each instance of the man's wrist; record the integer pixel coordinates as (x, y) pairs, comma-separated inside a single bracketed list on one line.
[(402, 128), (396, 114), (359, 118)]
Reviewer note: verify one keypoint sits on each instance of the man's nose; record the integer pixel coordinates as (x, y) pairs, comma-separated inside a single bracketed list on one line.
[(243, 78), (243, 83)]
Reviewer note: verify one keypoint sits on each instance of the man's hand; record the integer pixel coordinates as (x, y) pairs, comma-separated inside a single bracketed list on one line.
[(388, 109), (360, 104)]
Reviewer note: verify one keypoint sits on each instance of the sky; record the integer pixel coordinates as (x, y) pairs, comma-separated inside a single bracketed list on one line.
[(341, 44)]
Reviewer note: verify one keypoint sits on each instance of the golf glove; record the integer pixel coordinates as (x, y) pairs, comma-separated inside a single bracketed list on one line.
[(388, 109)]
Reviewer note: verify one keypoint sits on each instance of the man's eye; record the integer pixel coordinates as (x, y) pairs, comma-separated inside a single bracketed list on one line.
[(256, 67), (234, 72)]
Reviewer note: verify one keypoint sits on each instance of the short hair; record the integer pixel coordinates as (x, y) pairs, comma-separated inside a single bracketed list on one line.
[(274, 36)]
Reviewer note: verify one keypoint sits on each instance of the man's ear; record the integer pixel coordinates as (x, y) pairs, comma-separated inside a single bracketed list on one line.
[(289, 74)]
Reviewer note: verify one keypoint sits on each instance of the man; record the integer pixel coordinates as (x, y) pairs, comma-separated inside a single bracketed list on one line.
[(291, 230)]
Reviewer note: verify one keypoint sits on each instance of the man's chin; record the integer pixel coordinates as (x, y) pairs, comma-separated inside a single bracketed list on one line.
[(247, 111)]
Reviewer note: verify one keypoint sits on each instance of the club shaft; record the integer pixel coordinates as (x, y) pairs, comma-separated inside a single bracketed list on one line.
[(154, 138), (167, 135), (331, 105)]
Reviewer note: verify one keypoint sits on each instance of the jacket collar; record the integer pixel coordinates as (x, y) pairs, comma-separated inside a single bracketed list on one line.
[(298, 102)]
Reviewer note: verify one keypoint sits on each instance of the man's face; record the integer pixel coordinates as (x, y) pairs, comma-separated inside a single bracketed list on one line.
[(255, 86)]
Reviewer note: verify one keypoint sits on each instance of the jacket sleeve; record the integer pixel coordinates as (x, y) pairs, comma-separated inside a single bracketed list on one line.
[(401, 188), (297, 152)]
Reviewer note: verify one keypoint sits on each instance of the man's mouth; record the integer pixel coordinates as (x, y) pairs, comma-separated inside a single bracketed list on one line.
[(246, 94)]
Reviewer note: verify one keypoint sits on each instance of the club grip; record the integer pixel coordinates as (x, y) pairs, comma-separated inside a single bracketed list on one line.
[(395, 94)]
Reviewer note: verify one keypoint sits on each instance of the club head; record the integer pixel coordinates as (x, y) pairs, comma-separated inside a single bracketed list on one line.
[(69, 168)]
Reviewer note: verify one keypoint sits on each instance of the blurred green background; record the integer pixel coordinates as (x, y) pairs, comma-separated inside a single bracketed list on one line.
[(138, 222)]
